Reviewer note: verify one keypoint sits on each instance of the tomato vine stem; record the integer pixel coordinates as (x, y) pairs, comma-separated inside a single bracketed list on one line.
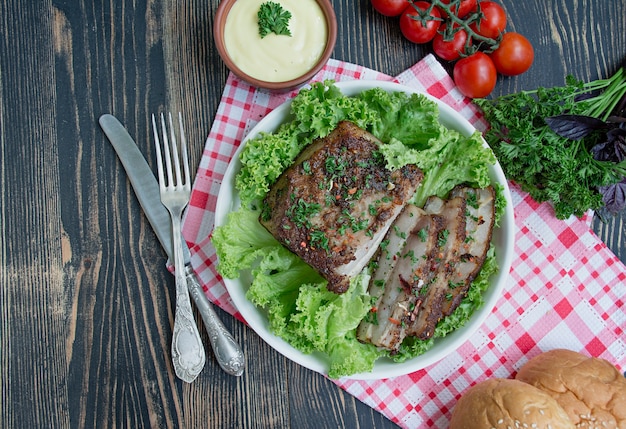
[(461, 23)]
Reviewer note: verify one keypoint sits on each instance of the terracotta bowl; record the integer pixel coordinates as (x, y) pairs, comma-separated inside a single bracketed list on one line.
[(218, 34)]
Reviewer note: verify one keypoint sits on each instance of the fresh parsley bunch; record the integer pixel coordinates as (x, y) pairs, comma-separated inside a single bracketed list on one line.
[(566, 145)]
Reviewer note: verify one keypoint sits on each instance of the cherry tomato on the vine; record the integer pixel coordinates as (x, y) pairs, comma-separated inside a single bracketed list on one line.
[(411, 24), (465, 7), (493, 22), (514, 55), (475, 75), (390, 7), (449, 49)]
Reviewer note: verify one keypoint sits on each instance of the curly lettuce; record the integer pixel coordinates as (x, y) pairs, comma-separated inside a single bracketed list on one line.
[(411, 119), (446, 161)]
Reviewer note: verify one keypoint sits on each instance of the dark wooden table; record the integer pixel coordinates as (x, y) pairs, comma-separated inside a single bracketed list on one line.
[(86, 301)]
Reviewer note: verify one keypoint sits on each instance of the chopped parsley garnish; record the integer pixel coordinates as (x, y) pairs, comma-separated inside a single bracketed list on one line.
[(384, 244), (422, 234), (372, 317), (442, 238), (411, 254), (301, 212), (336, 166), (399, 232), (358, 224), (472, 200), (306, 167), (454, 285), (319, 239)]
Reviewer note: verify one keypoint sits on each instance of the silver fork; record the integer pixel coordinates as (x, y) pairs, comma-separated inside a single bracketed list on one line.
[(187, 350)]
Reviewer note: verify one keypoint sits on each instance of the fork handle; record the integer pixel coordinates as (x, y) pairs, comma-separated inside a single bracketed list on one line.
[(188, 355), (227, 352)]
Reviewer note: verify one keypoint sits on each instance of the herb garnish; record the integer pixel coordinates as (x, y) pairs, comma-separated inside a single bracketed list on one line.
[(301, 212), (566, 145), (335, 166), (306, 167), (442, 237), (319, 239), (423, 235), (399, 232), (472, 200), (273, 19)]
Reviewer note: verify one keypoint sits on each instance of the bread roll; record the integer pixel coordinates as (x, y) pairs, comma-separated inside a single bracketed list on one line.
[(590, 390), (507, 403)]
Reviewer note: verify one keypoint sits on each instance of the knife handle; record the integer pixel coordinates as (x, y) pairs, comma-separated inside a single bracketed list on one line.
[(227, 352)]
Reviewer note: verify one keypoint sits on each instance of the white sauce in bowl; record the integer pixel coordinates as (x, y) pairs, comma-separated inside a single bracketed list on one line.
[(275, 58)]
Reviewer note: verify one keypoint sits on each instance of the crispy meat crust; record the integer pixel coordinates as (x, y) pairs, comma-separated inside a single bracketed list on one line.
[(333, 206)]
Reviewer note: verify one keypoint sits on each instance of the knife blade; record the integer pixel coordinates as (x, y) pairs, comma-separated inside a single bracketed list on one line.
[(227, 352)]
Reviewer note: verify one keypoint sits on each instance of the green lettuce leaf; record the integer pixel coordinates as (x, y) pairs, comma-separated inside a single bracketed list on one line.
[(264, 159), (327, 322), (319, 109), (412, 119), (448, 161), (241, 242)]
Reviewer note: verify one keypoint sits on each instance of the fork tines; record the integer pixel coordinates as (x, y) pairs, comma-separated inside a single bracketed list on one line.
[(171, 152)]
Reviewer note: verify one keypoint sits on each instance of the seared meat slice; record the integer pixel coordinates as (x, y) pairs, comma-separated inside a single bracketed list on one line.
[(403, 266), (334, 205), (481, 211), (449, 240), (454, 237)]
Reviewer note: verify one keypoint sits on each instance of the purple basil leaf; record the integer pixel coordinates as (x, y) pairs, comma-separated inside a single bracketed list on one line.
[(613, 149), (614, 196), (574, 127), (617, 136)]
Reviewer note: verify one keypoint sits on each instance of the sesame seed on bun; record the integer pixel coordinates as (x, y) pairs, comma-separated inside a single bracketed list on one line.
[(590, 390), (507, 403)]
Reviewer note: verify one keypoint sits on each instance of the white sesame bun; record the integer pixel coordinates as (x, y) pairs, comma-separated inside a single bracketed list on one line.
[(590, 390), (507, 403)]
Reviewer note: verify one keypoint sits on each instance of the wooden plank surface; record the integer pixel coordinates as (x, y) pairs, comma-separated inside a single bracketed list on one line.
[(85, 299)]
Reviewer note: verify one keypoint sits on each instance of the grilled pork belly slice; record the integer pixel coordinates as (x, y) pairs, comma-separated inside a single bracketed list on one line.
[(403, 266), (447, 241), (481, 213), (334, 205)]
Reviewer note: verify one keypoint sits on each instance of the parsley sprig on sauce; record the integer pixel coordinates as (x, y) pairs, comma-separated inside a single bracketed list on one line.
[(273, 18)]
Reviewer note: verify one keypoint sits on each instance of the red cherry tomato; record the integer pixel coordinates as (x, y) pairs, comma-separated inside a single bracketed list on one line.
[(449, 49), (514, 55), (411, 24), (493, 22), (475, 76), (390, 7), (465, 7)]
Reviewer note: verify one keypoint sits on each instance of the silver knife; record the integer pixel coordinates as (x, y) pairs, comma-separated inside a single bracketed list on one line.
[(227, 352)]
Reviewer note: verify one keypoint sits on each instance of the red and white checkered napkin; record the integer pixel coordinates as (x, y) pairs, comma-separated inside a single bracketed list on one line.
[(566, 289)]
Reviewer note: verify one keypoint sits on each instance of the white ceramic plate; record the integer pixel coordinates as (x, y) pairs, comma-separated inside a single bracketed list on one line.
[(503, 237)]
